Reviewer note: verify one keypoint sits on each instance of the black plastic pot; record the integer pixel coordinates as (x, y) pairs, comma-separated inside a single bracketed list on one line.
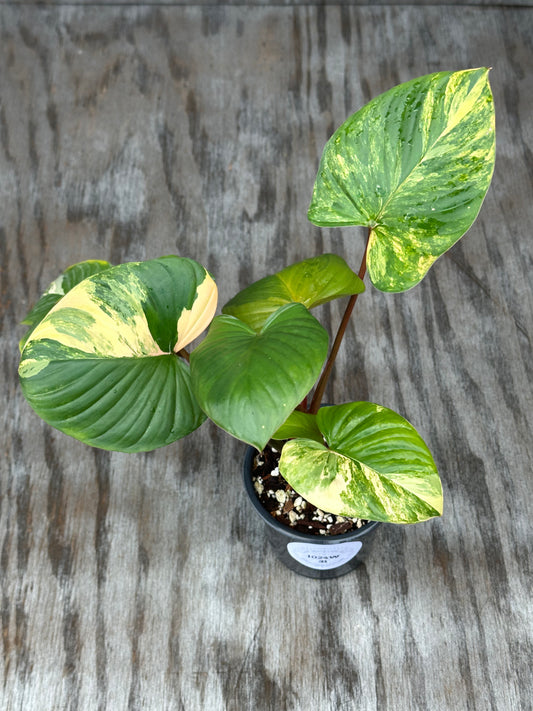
[(307, 554)]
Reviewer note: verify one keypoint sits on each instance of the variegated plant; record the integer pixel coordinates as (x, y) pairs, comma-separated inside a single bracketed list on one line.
[(108, 358)]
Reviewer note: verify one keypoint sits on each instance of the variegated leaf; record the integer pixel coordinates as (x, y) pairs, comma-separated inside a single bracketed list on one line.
[(102, 366), (58, 288), (414, 166), (310, 282), (374, 466)]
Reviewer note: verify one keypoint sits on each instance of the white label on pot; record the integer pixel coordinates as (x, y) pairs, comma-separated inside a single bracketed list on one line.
[(324, 557)]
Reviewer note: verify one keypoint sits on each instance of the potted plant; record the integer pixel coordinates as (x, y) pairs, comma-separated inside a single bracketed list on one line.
[(108, 359)]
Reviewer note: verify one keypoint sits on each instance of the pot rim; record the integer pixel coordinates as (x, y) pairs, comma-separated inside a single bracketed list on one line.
[(251, 452)]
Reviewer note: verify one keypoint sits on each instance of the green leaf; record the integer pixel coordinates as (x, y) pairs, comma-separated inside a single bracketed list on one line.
[(414, 166), (76, 273), (311, 282), (375, 466), (122, 404), (100, 365), (57, 289), (249, 382), (299, 424)]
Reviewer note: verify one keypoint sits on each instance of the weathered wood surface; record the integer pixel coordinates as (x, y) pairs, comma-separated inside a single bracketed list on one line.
[(270, 3), (141, 581)]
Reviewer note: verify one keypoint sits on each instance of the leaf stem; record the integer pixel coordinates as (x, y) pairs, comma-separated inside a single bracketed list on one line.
[(302, 407), (321, 385)]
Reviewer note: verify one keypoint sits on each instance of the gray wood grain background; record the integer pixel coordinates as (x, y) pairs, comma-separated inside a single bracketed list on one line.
[(144, 581), (271, 3)]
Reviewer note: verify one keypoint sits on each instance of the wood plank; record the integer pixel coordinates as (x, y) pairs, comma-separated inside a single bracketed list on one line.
[(275, 3), (143, 581)]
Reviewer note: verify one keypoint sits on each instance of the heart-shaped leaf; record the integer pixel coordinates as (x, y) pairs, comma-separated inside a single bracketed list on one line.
[(311, 282), (375, 466), (100, 366), (123, 404), (249, 382), (413, 165), (58, 288)]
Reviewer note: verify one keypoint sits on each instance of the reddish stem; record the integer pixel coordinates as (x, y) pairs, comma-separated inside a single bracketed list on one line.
[(323, 381), (302, 407)]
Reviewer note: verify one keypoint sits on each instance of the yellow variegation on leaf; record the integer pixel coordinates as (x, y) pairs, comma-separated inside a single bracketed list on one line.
[(58, 288), (372, 465), (102, 365), (413, 165), (311, 282)]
